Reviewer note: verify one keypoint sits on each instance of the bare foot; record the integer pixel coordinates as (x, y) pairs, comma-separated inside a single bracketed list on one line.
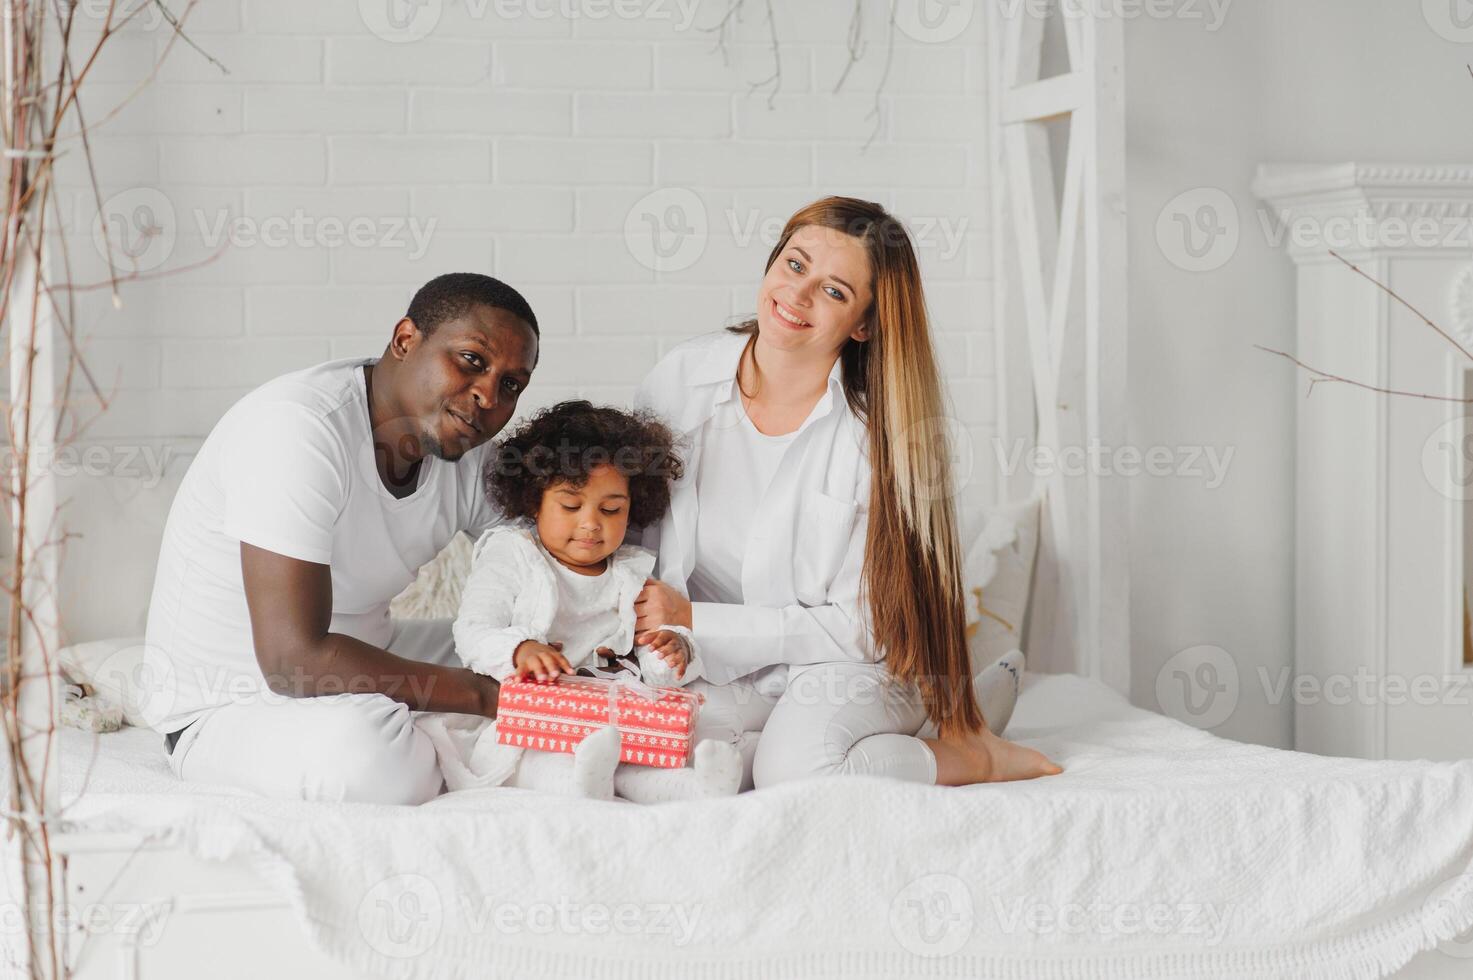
[(986, 758)]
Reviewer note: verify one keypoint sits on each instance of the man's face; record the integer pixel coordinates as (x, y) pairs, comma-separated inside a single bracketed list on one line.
[(460, 383)]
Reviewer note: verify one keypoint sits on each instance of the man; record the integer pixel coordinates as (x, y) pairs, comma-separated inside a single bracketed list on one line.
[(314, 501)]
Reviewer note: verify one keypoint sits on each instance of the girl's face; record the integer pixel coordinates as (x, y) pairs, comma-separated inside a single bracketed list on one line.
[(582, 526), (817, 295)]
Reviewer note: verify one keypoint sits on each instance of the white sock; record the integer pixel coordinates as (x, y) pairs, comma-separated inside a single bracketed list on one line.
[(547, 772), (997, 689), (716, 770), (719, 768), (594, 762)]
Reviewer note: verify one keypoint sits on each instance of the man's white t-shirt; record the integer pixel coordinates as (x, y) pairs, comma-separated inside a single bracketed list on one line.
[(737, 464), (290, 468)]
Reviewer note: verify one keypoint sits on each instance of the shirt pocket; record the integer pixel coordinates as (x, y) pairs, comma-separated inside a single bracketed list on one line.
[(824, 526)]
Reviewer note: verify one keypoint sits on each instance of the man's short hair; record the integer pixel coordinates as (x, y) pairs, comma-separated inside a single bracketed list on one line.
[(452, 296)]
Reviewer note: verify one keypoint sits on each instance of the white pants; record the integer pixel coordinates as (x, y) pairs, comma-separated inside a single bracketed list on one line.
[(342, 747), (822, 719)]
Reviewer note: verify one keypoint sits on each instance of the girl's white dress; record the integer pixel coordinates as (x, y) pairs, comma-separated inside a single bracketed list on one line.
[(511, 595)]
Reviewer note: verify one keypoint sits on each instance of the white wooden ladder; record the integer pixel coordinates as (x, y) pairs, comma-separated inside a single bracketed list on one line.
[(1059, 265)]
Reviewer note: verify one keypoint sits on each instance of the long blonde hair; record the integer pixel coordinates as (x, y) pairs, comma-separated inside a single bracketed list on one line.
[(912, 559)]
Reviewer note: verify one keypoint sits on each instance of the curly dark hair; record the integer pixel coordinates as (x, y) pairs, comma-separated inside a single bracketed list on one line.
[(566, 442)]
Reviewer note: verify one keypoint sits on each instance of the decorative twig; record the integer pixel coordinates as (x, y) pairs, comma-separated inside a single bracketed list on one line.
[(1325, 376), (776, 78), (88, 287), (722, 29), (142, 84), (884, 77), (40, 110), (177, 23), (1394, 295), (854, 42)]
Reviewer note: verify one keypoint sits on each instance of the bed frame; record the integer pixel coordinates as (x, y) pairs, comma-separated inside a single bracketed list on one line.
[(1059, 249)]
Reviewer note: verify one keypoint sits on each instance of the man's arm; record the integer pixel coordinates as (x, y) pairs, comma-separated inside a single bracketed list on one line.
[(290, 603)]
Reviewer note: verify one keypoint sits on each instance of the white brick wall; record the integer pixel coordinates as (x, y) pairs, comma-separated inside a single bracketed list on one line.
[(521, 142)]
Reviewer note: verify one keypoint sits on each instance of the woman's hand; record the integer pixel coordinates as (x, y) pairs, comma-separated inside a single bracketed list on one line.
[(540, 660), (659, 605)]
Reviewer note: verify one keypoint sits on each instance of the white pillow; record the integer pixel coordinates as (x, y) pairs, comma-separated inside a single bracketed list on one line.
[(998, 547), (115, 671), (435, 592)]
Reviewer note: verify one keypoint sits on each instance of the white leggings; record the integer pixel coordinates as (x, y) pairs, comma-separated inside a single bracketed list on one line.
[(823, 719), (343, 747)]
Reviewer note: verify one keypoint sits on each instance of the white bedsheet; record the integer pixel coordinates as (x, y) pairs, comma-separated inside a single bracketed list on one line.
[(1162, 851)]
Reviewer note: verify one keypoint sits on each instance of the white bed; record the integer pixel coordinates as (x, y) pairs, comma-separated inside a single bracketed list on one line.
[(1162, 851)]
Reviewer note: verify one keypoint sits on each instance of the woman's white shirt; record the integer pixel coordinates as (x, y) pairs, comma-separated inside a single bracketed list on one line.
[(737, 466), (800, 574)]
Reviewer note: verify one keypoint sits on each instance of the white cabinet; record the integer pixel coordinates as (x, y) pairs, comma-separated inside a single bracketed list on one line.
[(1384, 489)]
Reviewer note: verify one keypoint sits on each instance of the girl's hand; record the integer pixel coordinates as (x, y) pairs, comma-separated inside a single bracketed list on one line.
[(541, 660), (669, 647), (659, 605)]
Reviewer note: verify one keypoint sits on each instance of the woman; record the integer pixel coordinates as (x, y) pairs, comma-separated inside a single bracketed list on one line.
[(811, 545)]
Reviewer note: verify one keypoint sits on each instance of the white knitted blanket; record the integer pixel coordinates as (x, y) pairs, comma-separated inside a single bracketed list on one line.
[(1162, 851)]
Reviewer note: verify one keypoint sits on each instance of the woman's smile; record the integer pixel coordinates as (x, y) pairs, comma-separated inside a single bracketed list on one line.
[(786, 316)]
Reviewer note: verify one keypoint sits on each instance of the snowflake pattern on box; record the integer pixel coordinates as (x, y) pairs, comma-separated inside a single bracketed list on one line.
[(554, 716)]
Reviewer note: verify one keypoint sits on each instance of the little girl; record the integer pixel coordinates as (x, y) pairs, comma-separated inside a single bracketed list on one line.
[(552, 592)]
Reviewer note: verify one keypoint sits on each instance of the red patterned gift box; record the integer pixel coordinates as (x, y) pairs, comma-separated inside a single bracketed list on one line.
[(655, 723)]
